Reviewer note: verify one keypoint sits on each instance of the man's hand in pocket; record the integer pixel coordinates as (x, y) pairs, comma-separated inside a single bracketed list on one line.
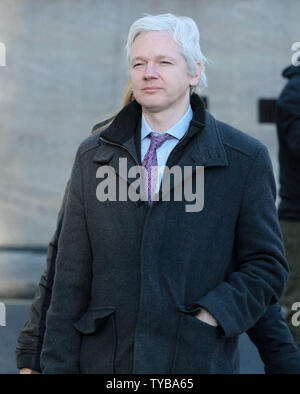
[(206, 317)]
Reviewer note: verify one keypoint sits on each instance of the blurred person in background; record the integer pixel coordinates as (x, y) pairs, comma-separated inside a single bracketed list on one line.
[(288, 131), (267, 329)]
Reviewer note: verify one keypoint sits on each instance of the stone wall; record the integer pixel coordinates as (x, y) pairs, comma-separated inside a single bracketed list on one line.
[(66, 70)]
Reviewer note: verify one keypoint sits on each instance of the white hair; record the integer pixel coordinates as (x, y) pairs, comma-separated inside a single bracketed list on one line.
[(183, 31)]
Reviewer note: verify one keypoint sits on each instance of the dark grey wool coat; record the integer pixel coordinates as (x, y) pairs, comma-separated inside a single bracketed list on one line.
[(129, 277)]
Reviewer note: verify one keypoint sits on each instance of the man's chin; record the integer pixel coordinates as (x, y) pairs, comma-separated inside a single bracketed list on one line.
[(152, 104)]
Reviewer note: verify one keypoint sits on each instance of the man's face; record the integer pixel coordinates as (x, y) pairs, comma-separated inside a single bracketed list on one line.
[(158, 72)]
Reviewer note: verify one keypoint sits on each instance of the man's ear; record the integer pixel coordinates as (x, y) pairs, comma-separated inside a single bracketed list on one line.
[(195, 79)]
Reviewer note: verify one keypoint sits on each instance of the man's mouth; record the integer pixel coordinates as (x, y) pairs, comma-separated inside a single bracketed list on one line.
[(151, 89)]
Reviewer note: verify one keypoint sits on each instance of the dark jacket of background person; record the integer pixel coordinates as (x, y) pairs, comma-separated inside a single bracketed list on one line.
[(120, 327), (288, 129)]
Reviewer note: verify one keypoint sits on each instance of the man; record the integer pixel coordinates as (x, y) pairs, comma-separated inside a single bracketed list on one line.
[(146, 286), (270, 334), (288, 130)]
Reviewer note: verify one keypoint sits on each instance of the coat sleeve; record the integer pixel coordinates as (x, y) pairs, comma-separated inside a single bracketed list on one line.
[(275, 343), (261, 267), (288, 115), (30, 339), (71, 287)]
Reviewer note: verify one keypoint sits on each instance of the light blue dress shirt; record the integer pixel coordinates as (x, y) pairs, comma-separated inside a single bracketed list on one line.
[(163, 152)]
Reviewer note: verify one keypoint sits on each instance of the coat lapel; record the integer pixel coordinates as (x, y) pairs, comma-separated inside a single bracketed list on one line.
[(200, 146)]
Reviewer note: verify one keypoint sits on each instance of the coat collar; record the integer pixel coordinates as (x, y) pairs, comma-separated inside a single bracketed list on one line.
[(206, 150)]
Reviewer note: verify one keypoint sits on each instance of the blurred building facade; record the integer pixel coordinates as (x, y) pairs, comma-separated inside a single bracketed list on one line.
[(66, 70)]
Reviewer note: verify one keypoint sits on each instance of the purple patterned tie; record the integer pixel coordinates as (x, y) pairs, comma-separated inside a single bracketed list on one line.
[(150, 162)]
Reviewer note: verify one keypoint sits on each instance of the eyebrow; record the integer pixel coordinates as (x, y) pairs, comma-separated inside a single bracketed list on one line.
[(157, 57)]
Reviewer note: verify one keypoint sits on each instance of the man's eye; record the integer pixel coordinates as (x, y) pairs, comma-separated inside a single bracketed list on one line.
[(164, 62), (137, 64)]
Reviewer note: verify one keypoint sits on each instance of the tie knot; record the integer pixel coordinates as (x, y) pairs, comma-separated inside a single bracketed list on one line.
[(158, 140)]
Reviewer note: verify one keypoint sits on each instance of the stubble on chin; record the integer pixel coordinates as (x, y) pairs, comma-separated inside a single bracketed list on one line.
[(152, 104)]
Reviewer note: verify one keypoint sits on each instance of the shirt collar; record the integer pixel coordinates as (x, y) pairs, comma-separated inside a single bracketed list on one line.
[(177, 131), (206, 132)]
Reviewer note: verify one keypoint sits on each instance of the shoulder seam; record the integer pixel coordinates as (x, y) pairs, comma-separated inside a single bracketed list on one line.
[(250, 170), (87, 150), (239, 150)]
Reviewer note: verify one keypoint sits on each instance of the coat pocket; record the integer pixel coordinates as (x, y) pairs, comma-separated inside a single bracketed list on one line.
[(200, 348), (98, 344)]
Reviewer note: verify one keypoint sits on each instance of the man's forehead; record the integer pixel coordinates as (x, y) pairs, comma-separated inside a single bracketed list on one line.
[(161, 47)]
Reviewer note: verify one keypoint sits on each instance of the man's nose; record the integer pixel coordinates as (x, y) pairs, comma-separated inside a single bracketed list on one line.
[(150, 71)]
